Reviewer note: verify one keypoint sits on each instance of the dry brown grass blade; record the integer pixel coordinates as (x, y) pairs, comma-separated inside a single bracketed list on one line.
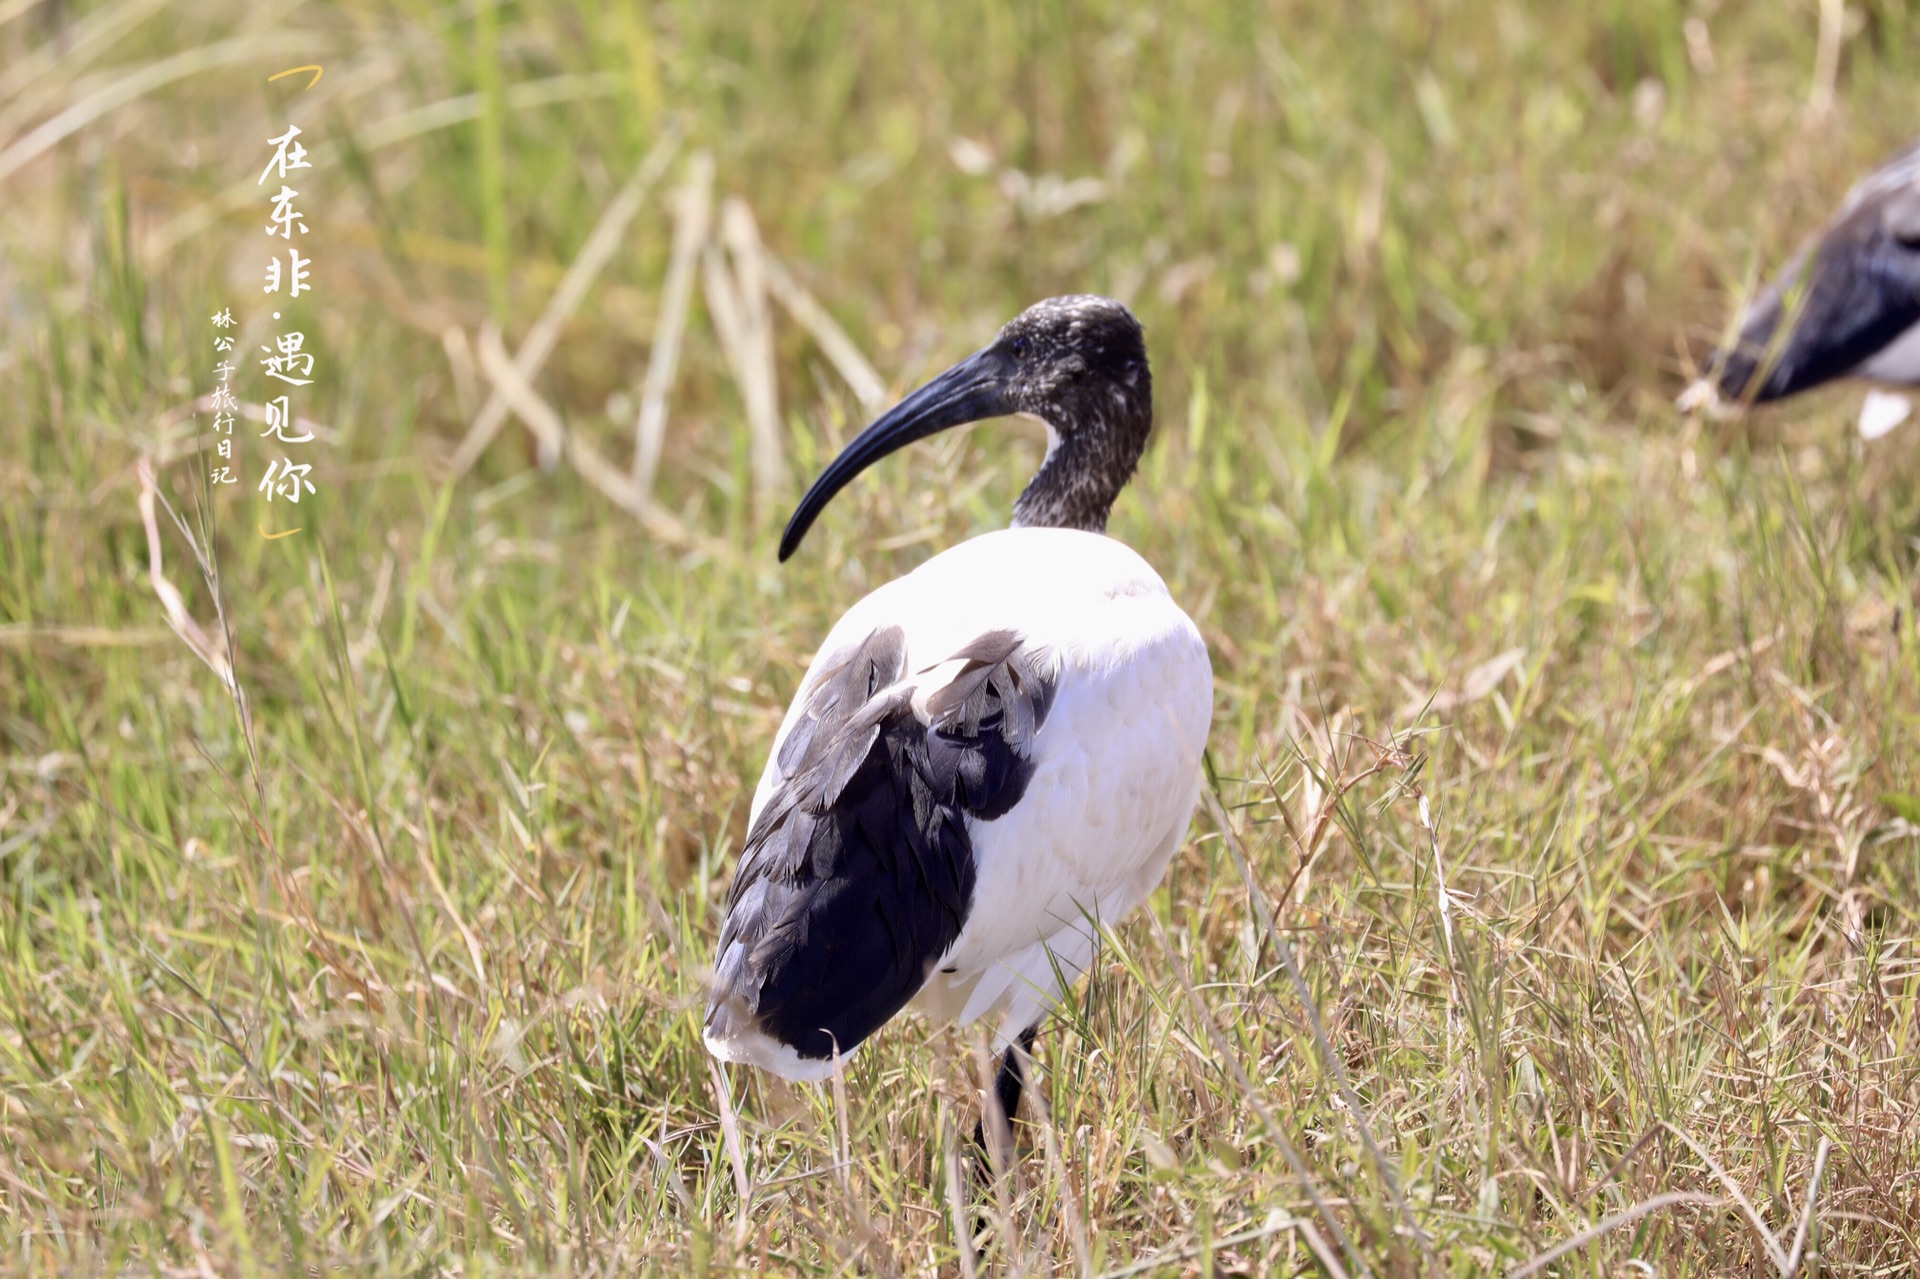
[(218, 653), (466, 382), (853, 367), (566, 299), (137, 84), (693, 220), (1325, 803), (842, 1139), (522, 96), (1476, 684), (996, 1127), (1248, 1094), (1335, 1067), (866, 1243), (1767, 1238), (736, 1152), (956, 1200), (28, 84), (1732, 657), (512, 388), (1826, 58), (736, 279), (460, 924), (172, 603), (671, 1173), (1442, 895), (1068, 1191), (546, 425), (12, 9), (1797, 1253), (1318, 1247), (1540, 1261), (1276, 1224), (24, 634)]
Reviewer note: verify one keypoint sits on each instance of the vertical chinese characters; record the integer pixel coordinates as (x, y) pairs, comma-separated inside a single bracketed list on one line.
[(287, 359), (222, 400)]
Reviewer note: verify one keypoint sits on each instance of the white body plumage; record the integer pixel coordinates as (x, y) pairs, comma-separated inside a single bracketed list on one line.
[(1116, 764)]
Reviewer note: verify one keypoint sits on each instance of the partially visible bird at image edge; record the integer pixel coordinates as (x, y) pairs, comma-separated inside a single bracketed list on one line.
[(1849, 302), (988, 757)]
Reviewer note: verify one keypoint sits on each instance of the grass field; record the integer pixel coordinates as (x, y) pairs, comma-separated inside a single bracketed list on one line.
[(1555, 909)]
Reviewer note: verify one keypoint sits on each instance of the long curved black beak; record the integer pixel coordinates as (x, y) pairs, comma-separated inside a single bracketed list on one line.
[(971, 390)]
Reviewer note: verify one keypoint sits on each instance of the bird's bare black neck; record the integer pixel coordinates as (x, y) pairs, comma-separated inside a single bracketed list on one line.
[(1088, 464)]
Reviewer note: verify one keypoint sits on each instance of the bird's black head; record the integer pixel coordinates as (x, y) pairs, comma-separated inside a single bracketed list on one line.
[(1076, 363)]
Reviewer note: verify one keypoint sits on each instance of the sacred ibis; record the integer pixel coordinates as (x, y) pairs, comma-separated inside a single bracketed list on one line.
[(987, 757), (1850, 301)]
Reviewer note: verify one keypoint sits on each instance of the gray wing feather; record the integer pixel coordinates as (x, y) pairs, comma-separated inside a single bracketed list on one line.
[(858, 873)]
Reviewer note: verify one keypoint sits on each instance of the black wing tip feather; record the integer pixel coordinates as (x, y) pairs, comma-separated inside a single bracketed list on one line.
[(859, 874)]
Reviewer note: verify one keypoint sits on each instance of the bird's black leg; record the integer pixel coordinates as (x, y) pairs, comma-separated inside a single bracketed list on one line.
[(1007, 1088)]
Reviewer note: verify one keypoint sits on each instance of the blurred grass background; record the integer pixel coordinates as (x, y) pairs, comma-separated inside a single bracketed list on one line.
[(407, 978)]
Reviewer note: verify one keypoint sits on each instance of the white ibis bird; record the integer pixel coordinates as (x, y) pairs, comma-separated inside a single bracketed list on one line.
[(1851, 303), (988, 757)]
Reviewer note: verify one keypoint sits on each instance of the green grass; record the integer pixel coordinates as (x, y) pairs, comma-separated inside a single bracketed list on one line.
[(403, 972)]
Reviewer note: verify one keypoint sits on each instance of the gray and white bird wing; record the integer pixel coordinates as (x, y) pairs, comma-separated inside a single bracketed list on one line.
[(858, 874), (1851, 299), (985, 753)]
